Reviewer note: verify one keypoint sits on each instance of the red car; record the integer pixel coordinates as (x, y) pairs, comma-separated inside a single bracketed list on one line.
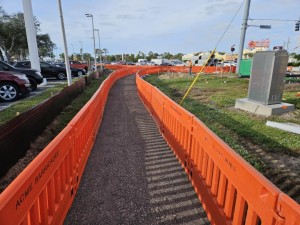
[(79, 65), (12, 85)]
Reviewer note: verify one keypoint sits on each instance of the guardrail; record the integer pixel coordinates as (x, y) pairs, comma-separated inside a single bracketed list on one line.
[(44, 191), (231, 190)]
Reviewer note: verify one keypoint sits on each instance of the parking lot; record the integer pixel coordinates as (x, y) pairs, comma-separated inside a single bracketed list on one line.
[(41, 88)]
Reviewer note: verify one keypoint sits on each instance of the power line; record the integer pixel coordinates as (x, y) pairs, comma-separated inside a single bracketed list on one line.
[(274, 20), (229, 24), (192, 84)]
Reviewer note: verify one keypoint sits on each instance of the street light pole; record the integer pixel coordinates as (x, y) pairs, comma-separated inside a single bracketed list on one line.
[(243, 34), (65, 44), (72, 51), (99, 48), (90, 15), (81, 52)]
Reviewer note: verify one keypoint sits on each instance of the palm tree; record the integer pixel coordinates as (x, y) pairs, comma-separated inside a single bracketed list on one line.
[(104, 50)]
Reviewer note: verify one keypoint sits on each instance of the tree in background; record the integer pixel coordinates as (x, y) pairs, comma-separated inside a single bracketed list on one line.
[(167, 55), (87, 57), (45, 45), (130, 58), (13, 41), (105, 51), (62, 56), (178, 56), (140, 55)]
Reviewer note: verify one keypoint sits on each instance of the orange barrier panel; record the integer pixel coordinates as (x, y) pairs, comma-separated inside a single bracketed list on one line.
[(182, 69), (289, 210), (44, 191), (231, 190)]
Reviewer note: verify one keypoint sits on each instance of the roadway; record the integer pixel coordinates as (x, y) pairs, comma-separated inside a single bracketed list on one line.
[(132, 176)]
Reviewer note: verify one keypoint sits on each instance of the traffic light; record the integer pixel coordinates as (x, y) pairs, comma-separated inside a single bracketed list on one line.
[(297, 25), (232, 48)]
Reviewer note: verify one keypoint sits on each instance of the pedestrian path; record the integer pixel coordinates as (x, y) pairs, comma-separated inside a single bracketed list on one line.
[(132, 176)]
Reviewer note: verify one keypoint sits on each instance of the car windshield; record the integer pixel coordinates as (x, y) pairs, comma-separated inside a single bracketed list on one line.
[(5, 64)]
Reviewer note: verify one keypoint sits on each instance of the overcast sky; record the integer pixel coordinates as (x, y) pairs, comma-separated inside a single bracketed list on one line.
[(130, 26)]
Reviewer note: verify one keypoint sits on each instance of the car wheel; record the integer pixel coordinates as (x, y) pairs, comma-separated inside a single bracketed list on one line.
[(79, 73), (8, 92), (33, 84), (61, 76)]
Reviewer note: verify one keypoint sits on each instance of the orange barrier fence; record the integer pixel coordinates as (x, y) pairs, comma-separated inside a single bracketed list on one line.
[(231, 190), (183, 69), (44, 191)]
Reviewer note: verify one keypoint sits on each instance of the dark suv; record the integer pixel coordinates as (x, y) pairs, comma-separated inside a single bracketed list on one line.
[(49, 70), (12, 85), (33, 76)]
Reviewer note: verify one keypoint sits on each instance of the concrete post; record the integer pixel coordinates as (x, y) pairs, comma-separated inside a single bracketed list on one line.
[(31, 35), (243, 34)]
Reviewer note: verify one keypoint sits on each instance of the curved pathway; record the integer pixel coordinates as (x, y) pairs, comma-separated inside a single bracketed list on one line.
[(132, 176)]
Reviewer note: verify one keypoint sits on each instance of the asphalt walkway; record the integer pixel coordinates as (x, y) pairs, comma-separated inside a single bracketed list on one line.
[(132, 176)]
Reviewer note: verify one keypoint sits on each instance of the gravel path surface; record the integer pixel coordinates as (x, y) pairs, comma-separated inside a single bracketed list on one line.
[(132, 176)]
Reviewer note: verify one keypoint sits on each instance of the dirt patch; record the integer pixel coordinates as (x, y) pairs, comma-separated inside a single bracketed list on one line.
[(282, 170), (35, 148), (166, 76)]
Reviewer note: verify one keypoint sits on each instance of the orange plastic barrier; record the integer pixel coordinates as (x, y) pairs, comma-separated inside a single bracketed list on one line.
[(183, 69), (231, 190), (44, 191)]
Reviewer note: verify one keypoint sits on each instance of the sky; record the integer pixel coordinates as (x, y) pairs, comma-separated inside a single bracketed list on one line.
[(130, 26)]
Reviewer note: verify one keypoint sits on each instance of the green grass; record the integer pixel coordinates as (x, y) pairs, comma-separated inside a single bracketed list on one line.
[(71, 110), (212, 100), (28, 103)]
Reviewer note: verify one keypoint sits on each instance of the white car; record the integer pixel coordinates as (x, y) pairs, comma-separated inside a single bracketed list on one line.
[(150, 64), (227, 63), (177, 63)]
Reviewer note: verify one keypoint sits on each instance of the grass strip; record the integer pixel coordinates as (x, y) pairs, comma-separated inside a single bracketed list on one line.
[(212, 101)]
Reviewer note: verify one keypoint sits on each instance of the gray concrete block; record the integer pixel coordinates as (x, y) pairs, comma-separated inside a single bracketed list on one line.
[(261, 109)]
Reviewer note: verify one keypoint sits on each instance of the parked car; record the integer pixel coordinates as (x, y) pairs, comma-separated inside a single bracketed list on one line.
[(150, 64), (33, 76), (229, 63), (166, 64), (130, 63), (79, 65), (75, 71), (49, 70), (177, 63), (12, 85)]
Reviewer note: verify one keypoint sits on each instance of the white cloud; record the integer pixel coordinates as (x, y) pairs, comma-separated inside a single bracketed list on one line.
[(174, 26)]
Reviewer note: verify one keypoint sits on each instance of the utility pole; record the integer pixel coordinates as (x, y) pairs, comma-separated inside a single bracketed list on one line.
[(243, 34), (101, 63), (81, 51), (67, 62), (90, 15)]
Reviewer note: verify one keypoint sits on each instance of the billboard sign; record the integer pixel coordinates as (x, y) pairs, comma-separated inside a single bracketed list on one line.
[(259, 44)]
